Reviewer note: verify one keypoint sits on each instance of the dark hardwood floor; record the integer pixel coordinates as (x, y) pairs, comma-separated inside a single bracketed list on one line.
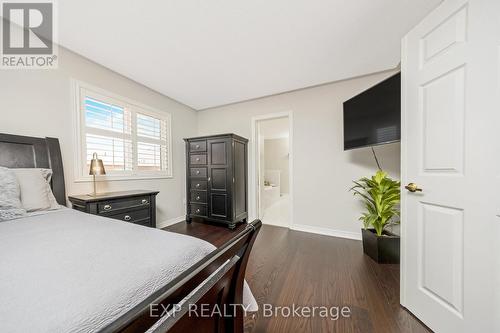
[(290, 267)]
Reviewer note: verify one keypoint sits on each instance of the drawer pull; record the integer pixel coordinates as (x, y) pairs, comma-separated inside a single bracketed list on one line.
[(197, 184), (198, 210), (107, 207), (144, 202), (197, 172), (127, 218), (197, 159), (198, 198), (197, 146)]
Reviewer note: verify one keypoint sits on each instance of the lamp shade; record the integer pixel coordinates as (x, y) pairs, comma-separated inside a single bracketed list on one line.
[(96, 166)]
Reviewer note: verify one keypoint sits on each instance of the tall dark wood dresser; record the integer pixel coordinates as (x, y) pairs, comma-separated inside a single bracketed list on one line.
[(217, 185)]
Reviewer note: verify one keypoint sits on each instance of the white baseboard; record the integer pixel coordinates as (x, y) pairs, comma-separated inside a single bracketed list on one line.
[(326, 231), (163, 224), (275, 224), (296, 227)]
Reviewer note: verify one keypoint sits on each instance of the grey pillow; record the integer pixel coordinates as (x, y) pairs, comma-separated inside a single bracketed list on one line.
[(11, 214), (10, 196)]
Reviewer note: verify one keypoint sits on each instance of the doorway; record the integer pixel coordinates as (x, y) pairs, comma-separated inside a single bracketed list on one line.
[(272, 175)]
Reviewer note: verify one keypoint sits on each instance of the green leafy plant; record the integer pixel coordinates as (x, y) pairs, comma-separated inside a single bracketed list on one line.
[(381, 196)]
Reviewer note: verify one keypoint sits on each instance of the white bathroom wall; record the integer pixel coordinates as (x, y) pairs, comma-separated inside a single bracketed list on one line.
[(276, 158)]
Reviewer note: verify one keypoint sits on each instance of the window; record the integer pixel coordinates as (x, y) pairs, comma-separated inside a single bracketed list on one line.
[(132, 140)]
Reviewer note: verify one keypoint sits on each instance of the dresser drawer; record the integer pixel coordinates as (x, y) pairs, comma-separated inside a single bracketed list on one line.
[(199, 185), (115, 205), (136, 216), (198, 146), (136, 206), (198, 210), (198, 172), (199, 196), (198, 159)]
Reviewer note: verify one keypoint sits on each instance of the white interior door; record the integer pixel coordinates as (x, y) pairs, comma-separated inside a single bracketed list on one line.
[(450, 150)]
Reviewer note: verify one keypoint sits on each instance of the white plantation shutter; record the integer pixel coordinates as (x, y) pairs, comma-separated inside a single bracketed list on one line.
[(108, 133), (152, 149), (131, 140)]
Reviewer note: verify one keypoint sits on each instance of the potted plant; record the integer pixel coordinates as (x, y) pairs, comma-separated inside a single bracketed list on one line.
[(381, 196)]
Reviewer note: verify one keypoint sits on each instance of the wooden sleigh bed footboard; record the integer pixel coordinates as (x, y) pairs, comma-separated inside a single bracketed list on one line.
[(206, 298)]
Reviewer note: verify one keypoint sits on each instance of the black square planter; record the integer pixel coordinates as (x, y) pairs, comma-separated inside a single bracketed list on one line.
[(383, 249)]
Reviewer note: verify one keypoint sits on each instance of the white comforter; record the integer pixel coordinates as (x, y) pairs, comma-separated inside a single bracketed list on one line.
[(68, 271)]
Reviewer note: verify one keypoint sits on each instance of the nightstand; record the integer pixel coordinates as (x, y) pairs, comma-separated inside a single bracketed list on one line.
[(137, 207)]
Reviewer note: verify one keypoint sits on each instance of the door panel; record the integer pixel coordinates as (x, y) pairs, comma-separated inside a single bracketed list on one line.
[(219, 178), (441, 250), (219, 153), (443, 105), (218, 206), (445, 35), (448, 230)]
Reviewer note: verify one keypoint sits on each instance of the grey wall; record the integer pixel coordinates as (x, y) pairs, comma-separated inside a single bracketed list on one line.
[(41, 103), (322, 171)]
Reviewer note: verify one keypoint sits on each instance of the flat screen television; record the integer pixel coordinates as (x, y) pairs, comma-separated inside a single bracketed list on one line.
[(374, 116)]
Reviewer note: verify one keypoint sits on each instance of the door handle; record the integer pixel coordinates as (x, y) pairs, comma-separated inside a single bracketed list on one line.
[(412, 187)]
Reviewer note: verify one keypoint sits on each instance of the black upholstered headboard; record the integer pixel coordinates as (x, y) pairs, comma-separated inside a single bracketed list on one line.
[(28, 152)]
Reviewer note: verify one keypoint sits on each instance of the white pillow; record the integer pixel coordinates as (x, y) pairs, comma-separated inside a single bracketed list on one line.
[(36, 193), (10, 196), (47, 174)]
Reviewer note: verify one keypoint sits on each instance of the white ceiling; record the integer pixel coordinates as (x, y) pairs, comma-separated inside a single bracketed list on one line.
[(210, 53)]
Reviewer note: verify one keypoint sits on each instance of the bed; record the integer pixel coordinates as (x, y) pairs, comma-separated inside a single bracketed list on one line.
[(67, 271)]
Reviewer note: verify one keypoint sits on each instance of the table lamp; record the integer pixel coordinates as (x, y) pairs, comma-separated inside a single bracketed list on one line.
[(96, 169)]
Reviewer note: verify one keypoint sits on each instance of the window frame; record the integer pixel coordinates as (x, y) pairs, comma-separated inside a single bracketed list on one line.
[(81, 172)]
